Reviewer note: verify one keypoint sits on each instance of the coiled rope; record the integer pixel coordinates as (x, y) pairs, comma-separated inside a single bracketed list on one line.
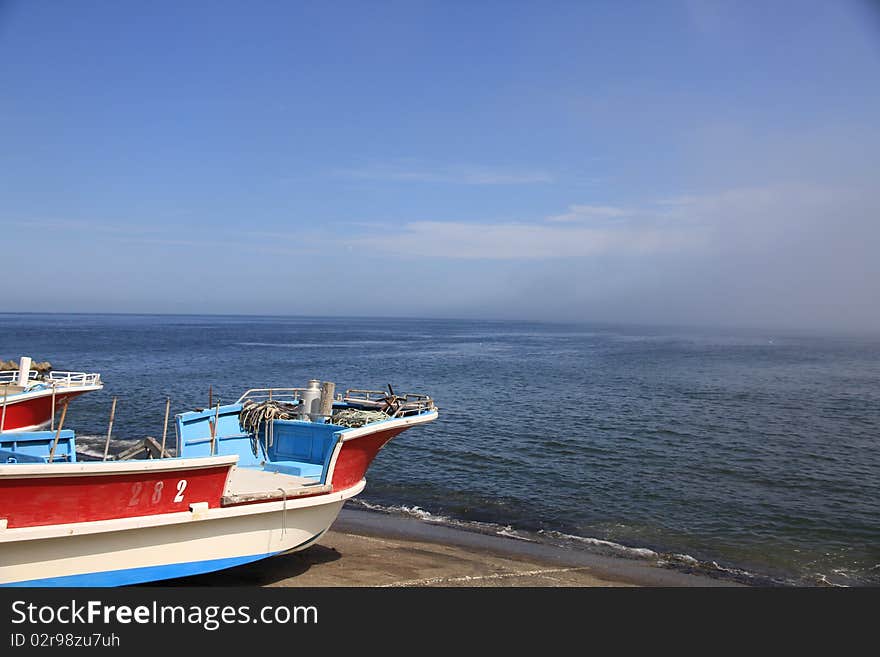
[(256, 416), (352, 417)]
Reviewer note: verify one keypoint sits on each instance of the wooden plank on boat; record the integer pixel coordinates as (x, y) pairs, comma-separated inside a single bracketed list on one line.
[(154, 449), (269, 495), (130, 453), (252, 485), (149, 448)]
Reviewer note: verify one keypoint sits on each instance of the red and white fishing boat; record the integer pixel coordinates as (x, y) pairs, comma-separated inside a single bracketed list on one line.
[(260, 477), (29, 400)]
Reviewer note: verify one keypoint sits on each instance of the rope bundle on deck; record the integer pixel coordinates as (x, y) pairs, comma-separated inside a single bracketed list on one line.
[(353, 418), (256, 415)]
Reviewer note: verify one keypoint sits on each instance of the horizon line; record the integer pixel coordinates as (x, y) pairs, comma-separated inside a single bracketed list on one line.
[(825, 331)]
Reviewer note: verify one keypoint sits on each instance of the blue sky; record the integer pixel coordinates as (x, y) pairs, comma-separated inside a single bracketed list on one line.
[(677, 162)]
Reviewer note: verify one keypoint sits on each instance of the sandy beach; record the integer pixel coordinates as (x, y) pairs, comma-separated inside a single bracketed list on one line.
[(368, 549)]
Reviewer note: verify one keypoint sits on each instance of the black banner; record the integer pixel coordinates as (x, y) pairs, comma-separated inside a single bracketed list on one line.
[(359, 618)]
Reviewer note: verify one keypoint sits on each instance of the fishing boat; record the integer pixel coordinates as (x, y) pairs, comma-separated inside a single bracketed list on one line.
[(29, 399), (261, 477)]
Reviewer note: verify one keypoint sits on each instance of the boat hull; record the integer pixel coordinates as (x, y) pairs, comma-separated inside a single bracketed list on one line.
[(34, 410), (55, 494), (152, 548), (355, 456)]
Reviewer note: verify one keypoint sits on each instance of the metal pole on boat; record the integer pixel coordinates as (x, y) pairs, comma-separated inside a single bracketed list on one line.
[(109, 427), (58, 432), (214, 428), (165, 430), (53, 407), (3, 417)]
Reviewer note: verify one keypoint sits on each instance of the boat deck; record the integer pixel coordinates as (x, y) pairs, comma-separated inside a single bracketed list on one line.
[(255, 485)]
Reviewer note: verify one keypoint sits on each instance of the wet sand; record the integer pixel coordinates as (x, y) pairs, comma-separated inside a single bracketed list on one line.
[(371, 549)]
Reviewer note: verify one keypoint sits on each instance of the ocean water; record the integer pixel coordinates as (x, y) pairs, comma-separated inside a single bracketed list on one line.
[(745, 455)]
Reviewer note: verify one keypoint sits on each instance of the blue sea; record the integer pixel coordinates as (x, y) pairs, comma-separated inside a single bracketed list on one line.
[(743, 455)]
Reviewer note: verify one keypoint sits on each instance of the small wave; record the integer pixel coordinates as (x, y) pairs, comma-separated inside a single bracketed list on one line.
[(93, 452), (413, 511), (507, 531), (421, 514), (91, 446), (676, 560), (510, 532), (643, 553), (821, 578), (80, 438), (736, 572)]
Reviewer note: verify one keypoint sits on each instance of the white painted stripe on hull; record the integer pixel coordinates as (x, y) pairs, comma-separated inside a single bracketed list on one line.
[(97, 468), (60, 393), (267, 532), (384, 425)]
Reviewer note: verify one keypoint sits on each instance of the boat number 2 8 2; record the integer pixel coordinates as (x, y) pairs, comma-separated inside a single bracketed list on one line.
[(153, 494)]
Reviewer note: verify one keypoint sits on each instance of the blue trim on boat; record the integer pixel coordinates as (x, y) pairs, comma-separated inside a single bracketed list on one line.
[(39, 444), (151, 573)]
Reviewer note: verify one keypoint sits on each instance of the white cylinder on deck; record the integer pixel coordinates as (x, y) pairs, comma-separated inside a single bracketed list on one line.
[(311, 400), (24, 369)]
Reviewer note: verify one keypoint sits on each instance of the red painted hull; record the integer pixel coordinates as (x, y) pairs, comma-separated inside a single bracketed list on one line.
[(356, 455), (36, 501), (34, 411)]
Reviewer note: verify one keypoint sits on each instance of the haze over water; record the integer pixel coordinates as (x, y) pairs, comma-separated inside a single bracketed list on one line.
[(745, 454)]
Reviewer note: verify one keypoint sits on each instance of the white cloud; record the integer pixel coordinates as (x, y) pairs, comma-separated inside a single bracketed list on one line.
[(510, 241), (589, 212), (751, 221)]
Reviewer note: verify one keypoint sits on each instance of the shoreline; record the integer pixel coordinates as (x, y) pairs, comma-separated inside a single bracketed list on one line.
[(373, 549)]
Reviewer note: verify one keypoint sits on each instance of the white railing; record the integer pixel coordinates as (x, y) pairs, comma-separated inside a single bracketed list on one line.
[(11, 376), (404, 404), (408, 403), (57, 379), (292, 395), (73, 379)]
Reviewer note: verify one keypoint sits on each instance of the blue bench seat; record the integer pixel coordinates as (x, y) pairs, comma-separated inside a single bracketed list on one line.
[(295, 468)]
